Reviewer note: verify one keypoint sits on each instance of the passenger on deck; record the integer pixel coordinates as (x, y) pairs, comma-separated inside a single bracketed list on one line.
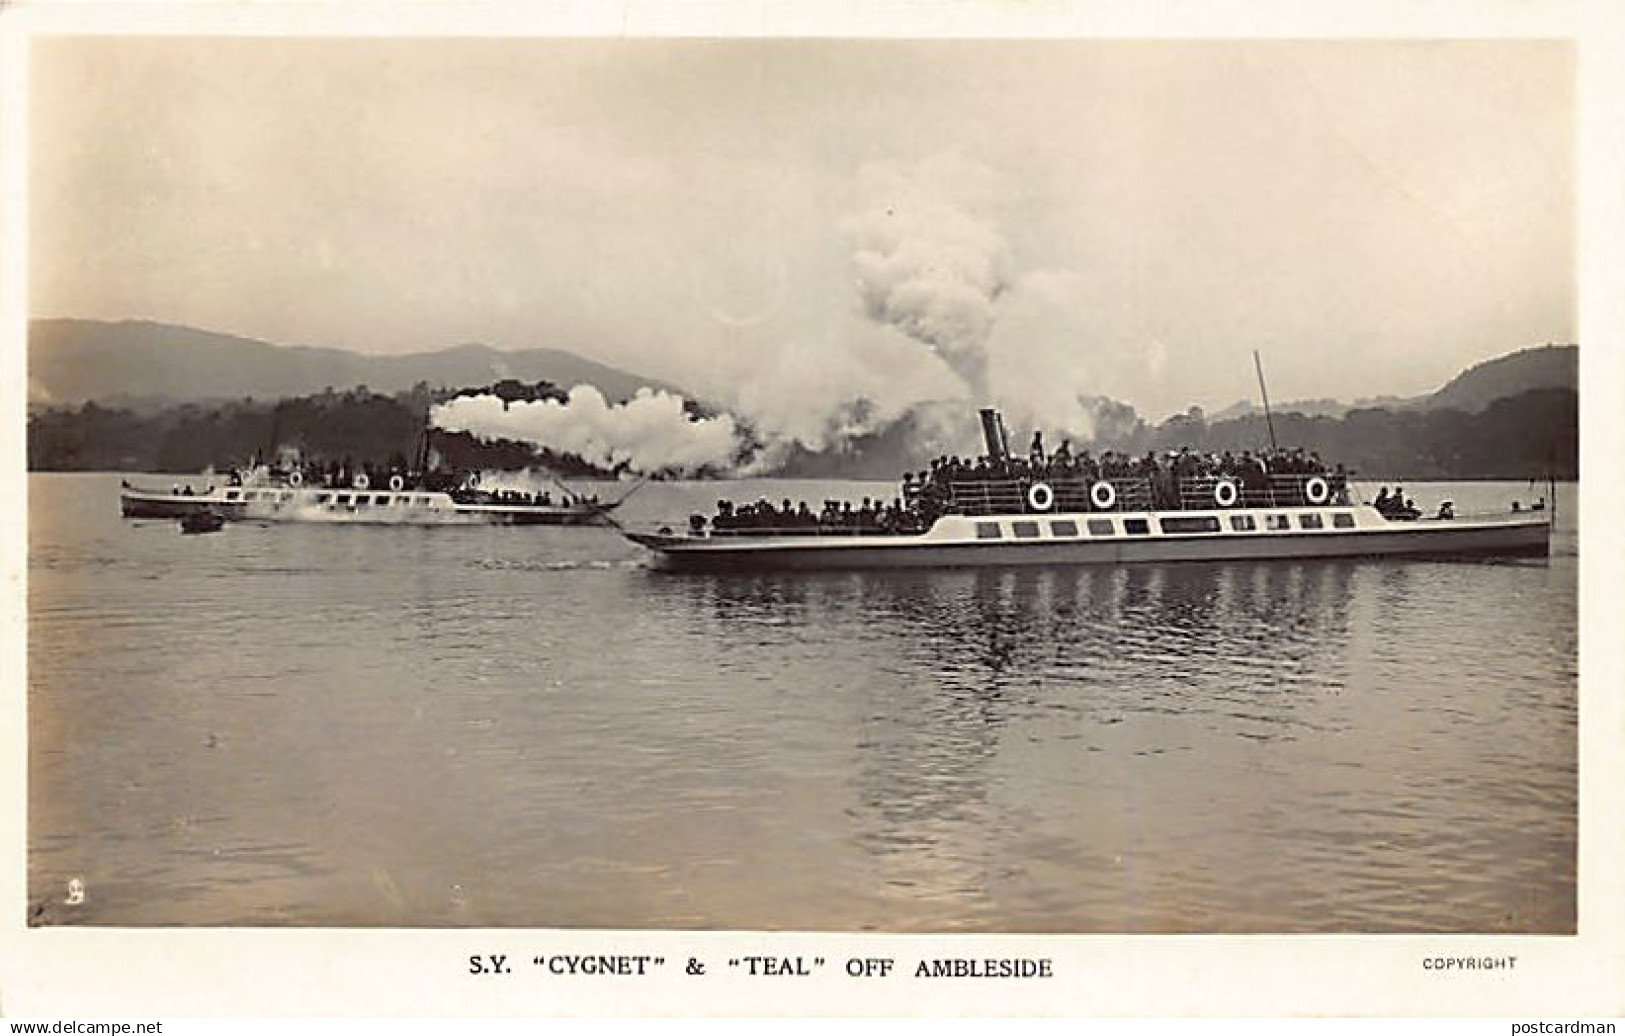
[(1383, 501), (1400, 507), (1035, 452), (1088, 467)]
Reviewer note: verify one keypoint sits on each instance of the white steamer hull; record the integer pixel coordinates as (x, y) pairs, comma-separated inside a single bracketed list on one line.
[(370, 507), (952, 543)]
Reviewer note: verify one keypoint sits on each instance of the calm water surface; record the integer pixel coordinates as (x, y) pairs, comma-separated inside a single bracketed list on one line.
[(342, 725)]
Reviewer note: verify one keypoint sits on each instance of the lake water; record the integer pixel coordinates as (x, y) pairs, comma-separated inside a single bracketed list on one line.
[(343, 725)]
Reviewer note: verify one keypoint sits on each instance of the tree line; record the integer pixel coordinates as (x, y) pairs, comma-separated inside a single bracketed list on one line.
[(352, 426), (1528, 435)]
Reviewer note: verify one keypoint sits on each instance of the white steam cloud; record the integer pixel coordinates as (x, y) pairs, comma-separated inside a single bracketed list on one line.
[(945, 324), (648, 433), (930, 262), (1039, 367), (926, 264)]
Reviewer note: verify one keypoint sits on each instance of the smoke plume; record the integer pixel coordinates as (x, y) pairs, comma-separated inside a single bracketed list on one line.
[(943, 323), (649, 433), (926, 264), (931, 263)]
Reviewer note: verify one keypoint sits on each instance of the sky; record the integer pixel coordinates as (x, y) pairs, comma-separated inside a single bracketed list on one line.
[(784, 227)]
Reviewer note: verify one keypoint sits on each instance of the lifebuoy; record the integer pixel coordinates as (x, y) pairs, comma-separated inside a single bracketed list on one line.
[(1040, 497), (1316, 491), (360, 482), (397, 483), (1103, 495), (1225, 494), (296, 479)]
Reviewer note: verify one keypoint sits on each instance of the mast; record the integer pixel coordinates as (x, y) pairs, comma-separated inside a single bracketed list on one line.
[(1262, 391)]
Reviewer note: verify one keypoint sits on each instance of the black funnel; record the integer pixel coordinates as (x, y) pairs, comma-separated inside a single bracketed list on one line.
[(993, 433)]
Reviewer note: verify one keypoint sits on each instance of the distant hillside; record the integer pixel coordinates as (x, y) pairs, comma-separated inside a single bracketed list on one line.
[(1314, 407), (1538, 367), (1542, 367), (1526, 435), (71, 361)]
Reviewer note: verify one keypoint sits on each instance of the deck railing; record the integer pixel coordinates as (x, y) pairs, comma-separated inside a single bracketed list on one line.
[(797, 529), (1224, 491), (1164, 493), (1016, 496)]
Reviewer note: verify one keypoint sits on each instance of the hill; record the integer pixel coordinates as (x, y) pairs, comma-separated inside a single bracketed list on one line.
[(72, 361), (1542, 367), (1314, 407)]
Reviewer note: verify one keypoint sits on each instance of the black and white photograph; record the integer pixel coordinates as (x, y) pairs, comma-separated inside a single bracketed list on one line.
[(964, 500)]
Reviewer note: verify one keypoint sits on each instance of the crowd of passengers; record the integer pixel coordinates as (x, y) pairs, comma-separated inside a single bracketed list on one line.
[(1399, 507), (927, 495), (507, 496), (932, 491), (837, 516)]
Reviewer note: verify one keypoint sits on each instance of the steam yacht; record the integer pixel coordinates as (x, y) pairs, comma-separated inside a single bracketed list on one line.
[(265, 495), (1032, 515)]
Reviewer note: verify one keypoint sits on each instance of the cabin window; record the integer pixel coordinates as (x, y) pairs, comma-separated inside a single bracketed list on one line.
[(987, 530), (380, 499), (285, 497), (1101, 527), (231, 494), (1242, 523), (1277, 522), (1310, 521), (1136, 527), (1191, 523), (1343, 520), (1025, 530), (343, 499), (1063, 528), (322, 498)]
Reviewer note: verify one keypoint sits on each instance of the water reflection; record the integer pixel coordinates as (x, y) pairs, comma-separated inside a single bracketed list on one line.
[(1271, 626), (968, 660)]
